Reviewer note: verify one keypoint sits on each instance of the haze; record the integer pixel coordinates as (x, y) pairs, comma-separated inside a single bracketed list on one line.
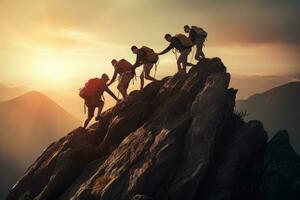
[(59, 44)]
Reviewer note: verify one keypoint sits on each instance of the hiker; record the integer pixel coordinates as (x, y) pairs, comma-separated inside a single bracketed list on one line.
[(197, 35), (92, 94), (126, 73), (182, 44), (147, 57)]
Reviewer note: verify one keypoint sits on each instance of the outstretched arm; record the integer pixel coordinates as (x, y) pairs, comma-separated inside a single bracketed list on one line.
[(113, 78), (111, 94), (166, 50)]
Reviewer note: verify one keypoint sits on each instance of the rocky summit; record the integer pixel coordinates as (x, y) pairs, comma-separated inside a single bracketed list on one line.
[(177, 139)]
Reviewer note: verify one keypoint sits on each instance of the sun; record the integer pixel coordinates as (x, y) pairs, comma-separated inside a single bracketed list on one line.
[(51, 67)]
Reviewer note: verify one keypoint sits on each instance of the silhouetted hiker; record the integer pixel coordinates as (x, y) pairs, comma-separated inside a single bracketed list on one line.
[(181, 43), (126, 73), (92, 94), (147, 57), (197, 36)]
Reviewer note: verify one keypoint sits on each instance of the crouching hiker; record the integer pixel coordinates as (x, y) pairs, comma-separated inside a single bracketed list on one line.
[(126, 73), (182, 44), (147, 57), (92, 94), (197, 35)]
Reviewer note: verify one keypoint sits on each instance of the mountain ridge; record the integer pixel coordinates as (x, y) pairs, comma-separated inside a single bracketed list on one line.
[(28, 124), (178, 138), (278, 109)]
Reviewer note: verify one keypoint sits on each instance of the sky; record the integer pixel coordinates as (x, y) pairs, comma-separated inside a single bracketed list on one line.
[(47, 44)]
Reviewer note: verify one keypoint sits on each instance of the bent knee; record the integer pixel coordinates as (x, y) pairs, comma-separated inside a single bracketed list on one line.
[(120, 87)]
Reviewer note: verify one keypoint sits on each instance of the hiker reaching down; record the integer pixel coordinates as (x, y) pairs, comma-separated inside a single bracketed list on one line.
[(182, 44), (92, 94), (126, 73), (197, 35), (147, 57)]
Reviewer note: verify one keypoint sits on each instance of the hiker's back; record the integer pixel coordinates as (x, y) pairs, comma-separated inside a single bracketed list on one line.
[(93, 88), (151, 56), (184, 40), (200, 32), (123, 66)]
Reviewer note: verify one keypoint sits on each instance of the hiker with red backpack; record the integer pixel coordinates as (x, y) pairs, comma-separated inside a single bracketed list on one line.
[(124, 69), (182, 44), (197, 35), (92, 94), (147, 57)]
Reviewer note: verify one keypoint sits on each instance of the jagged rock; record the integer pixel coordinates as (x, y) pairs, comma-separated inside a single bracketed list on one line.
[(141, 197), (280, 179), (237, 168), (178, 138)]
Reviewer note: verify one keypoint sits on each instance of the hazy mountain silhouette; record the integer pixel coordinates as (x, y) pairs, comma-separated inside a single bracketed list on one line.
[(28, 124), (278, 108), (250, 85), (7, 93)]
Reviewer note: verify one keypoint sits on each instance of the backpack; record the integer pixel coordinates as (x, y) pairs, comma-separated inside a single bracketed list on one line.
[(200, 31), (184, 40), (151, 55), (91, 88), (123, 66)]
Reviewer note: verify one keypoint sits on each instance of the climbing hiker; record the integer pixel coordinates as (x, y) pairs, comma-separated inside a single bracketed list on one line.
[(182, 44), (197, 35), (126, 73), (92, 94), (147, 57)]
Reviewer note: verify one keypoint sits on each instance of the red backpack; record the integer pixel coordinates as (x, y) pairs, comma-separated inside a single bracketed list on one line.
[(93, 87)]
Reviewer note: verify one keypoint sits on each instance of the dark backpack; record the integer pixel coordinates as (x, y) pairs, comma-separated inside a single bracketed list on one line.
[(200, 31), (150, 54), (93, 87)]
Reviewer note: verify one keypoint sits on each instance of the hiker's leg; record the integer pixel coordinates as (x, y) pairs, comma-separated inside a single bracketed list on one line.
[(199, 53), (124, 83), (179, 61), (100, 107), (122, 90), (147, 69), (91, 110), (142, 78), (185, 55)]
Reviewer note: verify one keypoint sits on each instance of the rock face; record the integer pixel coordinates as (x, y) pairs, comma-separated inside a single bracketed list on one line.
[(281, 176), (178, 138)]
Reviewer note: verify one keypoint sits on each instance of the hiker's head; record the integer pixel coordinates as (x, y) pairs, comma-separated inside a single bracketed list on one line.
[(105, 77), (186, 29), (168, 37), (134, 49), (114, 62)]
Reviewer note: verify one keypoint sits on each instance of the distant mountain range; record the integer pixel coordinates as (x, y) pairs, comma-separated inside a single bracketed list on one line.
[(250, 85), (278, 108), (28, 124), (7, 92)]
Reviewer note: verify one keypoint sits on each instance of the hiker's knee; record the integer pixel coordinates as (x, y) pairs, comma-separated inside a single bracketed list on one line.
[(90, 116), (142, 76), (119, 87), (148, 77), (101, 104)]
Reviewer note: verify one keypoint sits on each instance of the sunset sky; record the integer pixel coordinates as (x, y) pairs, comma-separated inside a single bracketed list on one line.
[(61, 43)]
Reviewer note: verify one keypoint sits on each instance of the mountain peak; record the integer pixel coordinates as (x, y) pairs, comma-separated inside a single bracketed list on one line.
[(178, 138)]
